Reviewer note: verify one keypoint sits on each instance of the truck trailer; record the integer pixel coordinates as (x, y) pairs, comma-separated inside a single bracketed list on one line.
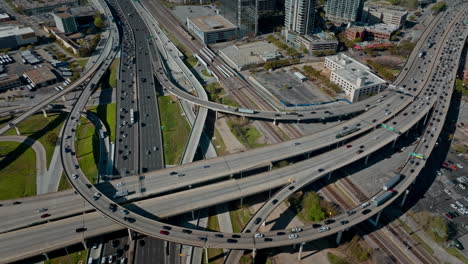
[(384, 197), (392, 182)]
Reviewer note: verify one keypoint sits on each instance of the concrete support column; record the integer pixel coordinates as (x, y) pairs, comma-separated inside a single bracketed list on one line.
[(46, 256), (329, 176), (270, 167), (63, 98), (301, 247), (298, 121), (377, 218), (264, 223), (44, 112), (425, 118), (404, 198), (367, 159), (407, 133), (338, 237), (274, 122), (17, 131), (269, 193), (394, 142), (241, 201), (216, 115), (193, 214), (84, 244), (166, 251), (254, 251), (206, 255), (308, 155)]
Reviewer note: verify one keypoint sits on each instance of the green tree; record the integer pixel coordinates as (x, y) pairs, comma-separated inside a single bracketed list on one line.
[(413, 4), (51, 138), (98, 21), (411, 18), (438, 7), (311, 205)]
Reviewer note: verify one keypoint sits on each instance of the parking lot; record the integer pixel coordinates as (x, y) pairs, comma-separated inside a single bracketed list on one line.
[(285, 86)]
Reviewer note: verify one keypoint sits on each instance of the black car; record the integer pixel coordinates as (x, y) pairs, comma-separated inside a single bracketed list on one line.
[(291, 188), (16, 202), (320, 170), (366, 211), (202, 238), (344, 222), (329, 221), (230, 240), (115, 243), (186, 231), (268, 239), (80, 229), (351, 212), (274, 201), (219, 235), (113, 207), (167, 227), (316, 225), (258, 220), (236, 236), (129, 219)]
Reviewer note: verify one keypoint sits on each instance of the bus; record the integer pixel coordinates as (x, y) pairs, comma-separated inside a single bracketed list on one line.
[(132, 116), (347, 131)]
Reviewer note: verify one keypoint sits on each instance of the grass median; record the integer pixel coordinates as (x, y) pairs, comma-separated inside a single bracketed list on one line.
[(87, 149), (107, 115), (175, 129), (17, 170), (113, 73), (44, 129)]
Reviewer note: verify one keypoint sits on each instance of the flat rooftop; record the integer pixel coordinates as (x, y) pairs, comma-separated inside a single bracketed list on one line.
[(4, 78), (212, 23), (383, 28), (7, 31), (29, 4), (4, 16), (40, 75), (352, 70), (251, 53)]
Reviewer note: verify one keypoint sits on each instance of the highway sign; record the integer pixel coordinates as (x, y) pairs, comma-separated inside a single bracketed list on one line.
[(419, 156)]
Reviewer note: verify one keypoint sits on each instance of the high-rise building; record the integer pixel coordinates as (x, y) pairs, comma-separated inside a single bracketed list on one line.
[(344, 11), (245, 14), (299, 16)]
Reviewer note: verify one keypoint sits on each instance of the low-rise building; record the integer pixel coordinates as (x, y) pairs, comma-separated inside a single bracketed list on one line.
[(389, 16), (353, 77), (29, 58), (38, 7), (40, 77), (71, 20), (212, 29), (8, 81), (318, 41), (14, 36), (241, 56), (380, 31), (353, 33), (4, 17)]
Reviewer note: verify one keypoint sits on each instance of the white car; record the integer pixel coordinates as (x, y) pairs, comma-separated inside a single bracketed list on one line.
[(459, 203), (323, 229), (119, 184), (447, 192), (293, 236), (296, 229), (439, 173), (258, 235), (364, 205), (459, 166), (75, 176), (462, 186), (453, 206)]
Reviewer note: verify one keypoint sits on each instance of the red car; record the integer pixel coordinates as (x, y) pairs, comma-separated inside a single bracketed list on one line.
[(348, 146), (445, 164), (45, 215), (163, 232)]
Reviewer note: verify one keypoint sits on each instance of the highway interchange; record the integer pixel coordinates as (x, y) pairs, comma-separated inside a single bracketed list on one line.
[(405, 118)]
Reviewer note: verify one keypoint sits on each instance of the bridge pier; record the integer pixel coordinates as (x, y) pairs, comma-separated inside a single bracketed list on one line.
[(298, 121), (46, 256), (193, 214), (44, 112), (241, 201), (269, 193), (270, 167), (377, 218), (367, 159), (254, 251), (84, 244), (404, 198), (17, 131), (394, 142), (338, 237), (425, 118), (274, 122), (329, 176), (131, 236), (206, 254), (216, 115), (301, 247), (63, 98)]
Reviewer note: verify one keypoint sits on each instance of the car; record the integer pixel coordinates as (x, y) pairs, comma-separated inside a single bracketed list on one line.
[(129, 219), (462, 186), (258, 220), (447, 191), (16, 202), (453, 206), (349, 146), (75, 176), (167, 227), (359, 151), (236, 236), (274, 201), (366, 211), (293, 236), (449, 215), (112, 207), (268, 239), (45, 215), (324, 228), (186, 231), (206, 166), (351, 212), (80, 229), (219, 235), (41, 210), (202, 238), (164, 232), (119, 184), (361, 147), (125, 212), (329, 221), (296, 229), (291, 188), (316, 225), (173, 173), (230, 240), (259, 235), (77, 166), (111, 259), (96, 196), (364, 205), (344, 222), (320, 170)]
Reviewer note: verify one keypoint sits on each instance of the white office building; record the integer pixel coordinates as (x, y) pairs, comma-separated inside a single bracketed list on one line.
[(353, 77)]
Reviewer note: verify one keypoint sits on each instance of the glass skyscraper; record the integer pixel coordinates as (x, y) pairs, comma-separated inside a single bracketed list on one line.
[(344, 11)]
